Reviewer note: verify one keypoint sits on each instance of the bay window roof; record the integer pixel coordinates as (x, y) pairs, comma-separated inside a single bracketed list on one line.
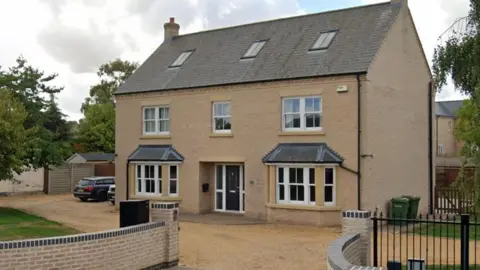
[(155, 153), (319, 153)]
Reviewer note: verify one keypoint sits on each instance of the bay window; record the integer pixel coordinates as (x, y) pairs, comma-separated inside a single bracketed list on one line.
[(173, 180), (148, 179), (295, 186), (302, 113)]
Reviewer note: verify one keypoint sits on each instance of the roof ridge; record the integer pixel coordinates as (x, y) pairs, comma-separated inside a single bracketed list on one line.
[(284, 18)]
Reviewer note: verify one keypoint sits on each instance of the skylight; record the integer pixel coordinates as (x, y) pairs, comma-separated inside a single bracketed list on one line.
[(181, 59), (324, 41), (254, 49)]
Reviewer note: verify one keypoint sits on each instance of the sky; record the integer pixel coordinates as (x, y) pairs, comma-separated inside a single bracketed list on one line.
[(73, 38)]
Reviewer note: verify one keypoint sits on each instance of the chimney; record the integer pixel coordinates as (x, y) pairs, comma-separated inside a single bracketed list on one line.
[(171, 29)]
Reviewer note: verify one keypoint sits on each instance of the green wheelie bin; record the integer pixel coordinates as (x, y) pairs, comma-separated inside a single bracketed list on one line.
[(399, 210), (414, 201)]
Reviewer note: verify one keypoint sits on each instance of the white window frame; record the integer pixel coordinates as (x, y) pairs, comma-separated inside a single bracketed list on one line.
[(286, 182), (224, 187), (440, 149), (214, 117), (143, 180), (333, 185), (173, 179), (303, 113), (157, 120)]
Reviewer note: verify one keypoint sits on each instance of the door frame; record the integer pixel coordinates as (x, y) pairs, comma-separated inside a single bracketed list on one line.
[(224, 185)]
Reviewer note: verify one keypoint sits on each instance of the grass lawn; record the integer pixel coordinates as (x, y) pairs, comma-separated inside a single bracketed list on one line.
[(15, 224), (447, 230)]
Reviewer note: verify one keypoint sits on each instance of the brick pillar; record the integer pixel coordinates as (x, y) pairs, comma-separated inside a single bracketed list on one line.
[(359, 222), (168, 212)]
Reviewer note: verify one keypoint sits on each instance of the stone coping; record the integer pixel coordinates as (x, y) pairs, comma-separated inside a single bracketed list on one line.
[(165, 205), (68, 239), (335, 252)]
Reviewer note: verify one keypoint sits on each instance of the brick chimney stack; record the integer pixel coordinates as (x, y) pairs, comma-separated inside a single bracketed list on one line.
[(171, 29)]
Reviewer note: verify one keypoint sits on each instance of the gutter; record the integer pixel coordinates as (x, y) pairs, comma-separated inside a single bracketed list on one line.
[(430, 150), (359, 132)]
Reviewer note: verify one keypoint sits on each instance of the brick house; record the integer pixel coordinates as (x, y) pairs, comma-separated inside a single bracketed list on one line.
[(286, 120)]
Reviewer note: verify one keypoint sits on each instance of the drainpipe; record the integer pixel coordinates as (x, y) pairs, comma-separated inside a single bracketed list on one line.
[(128, 191), (430, 150), (359, 175)]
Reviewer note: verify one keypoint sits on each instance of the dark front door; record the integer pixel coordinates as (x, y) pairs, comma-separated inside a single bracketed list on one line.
[(232, 175)]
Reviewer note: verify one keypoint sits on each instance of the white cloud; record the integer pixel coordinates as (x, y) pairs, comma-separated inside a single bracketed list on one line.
[(432, 18)]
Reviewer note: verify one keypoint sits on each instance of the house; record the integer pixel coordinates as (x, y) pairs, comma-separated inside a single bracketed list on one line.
[(289, 120)]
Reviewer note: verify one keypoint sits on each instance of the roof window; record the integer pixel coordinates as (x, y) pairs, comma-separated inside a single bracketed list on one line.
[(324, 41), (181, 59), (254, 49)]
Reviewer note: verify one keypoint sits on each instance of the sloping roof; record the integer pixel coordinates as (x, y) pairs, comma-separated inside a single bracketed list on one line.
[(302, 153), (447, 108), (97, 156), (217, 56), (155, 153)]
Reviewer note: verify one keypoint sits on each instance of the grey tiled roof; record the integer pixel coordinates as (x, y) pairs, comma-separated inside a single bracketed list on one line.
[(217, 56), (447, 108), (98, 156), (155, 153), (302, 153)]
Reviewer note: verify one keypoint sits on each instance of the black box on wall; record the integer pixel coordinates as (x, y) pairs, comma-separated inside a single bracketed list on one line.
[(134, 212)]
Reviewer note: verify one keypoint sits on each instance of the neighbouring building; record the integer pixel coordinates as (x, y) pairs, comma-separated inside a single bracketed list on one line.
[(288, 120)]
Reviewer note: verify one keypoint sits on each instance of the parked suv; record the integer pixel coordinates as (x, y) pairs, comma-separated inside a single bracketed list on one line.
[(111, 194), (95, 188)]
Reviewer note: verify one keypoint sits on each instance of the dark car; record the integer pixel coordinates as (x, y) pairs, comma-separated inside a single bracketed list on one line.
[(95, 188)]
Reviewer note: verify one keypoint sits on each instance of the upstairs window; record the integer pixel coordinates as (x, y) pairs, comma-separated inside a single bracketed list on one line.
[(222, 117), (323, 41), (302, 113), (181, 59), (156, 120), (254, 49)]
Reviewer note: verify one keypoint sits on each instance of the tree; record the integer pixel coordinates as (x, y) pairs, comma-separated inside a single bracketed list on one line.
[(31, 87), (97, 130), (13, 135), (111, 75), (459, 59)]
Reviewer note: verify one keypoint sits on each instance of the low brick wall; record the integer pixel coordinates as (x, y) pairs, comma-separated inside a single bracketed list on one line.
[(344, 252), (152, 245)]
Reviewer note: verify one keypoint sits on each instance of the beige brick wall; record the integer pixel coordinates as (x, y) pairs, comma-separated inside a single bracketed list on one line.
[(135, 247), (395, 119), (256, 116)]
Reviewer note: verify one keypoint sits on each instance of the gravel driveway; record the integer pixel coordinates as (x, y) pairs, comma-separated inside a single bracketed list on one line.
[(204, 246)]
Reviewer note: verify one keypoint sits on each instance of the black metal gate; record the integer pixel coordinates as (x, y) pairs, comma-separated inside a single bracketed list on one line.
[(428, 242)]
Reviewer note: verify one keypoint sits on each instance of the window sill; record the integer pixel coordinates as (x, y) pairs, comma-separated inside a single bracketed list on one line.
[(161, 136), (302, 133), (304, 207), (156, 198), (216, 135)]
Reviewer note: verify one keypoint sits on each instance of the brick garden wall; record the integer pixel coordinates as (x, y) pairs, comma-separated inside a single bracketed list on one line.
[(152, 245)]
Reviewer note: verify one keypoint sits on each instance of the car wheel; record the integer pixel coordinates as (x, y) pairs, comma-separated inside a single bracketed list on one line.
[(102, 196), (83, 199)]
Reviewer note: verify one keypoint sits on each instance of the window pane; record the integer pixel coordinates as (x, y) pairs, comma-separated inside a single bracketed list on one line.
[(309, 104), (328, 194), (139, 171), (328, 176), (280, 175), (312, 120), (301, 193), (219, 123), (292, 121), (218, 109), (160, 186), (293, 193), (163, 113), (219, 200), (292, 175), (281, 196), (299, 175), (226, 109), (312, 194), (227, 123), (148, 186), (291, 105), (139, 185), (316, 104), (173, 172), (149, 114), (219, 177), (150, 126), (173, 186), (159, 171), (164, 125), (312, 176)]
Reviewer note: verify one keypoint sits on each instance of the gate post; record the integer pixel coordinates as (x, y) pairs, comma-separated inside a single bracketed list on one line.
[(464, 242), (359, 222)]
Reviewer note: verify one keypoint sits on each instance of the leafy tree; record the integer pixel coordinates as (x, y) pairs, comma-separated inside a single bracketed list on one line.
[(32, 87), (13, 134), (459, 59), (111, 75), (97, 130)]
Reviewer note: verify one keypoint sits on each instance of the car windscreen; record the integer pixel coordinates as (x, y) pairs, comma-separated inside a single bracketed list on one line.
[(85, 183)]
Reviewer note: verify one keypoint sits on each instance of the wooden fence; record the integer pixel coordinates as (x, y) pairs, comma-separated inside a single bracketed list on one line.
[(453, 200)]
